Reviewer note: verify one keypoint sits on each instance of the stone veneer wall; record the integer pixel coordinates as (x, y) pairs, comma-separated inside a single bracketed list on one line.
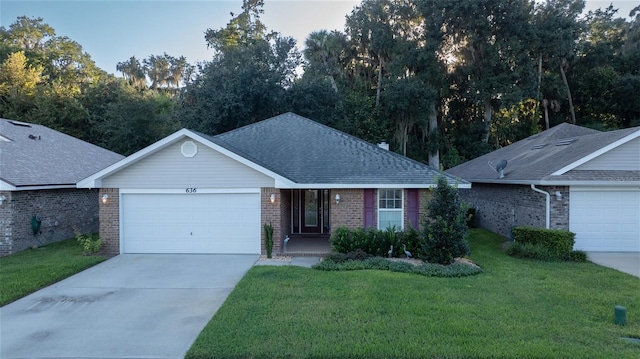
[(501, 207), (350, 211), (62, 211), (110, 220)]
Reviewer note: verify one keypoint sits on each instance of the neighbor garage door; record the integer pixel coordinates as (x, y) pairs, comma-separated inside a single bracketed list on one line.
[(605, 220), (191, 223)]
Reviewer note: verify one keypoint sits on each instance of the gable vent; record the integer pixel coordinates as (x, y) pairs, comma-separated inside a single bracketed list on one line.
[(538, 146), (189, 149), (566, 142)]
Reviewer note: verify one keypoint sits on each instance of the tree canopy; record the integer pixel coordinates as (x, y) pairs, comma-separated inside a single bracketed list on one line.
[(443, 81)]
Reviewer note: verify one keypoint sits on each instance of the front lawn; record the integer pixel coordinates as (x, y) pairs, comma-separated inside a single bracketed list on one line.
[(27, 271), (515, 309)]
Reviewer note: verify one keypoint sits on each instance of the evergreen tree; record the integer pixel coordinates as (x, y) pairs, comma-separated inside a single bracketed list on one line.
[(445, 227)]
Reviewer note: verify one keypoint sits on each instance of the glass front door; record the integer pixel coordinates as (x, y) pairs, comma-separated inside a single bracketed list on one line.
[(311, 211)]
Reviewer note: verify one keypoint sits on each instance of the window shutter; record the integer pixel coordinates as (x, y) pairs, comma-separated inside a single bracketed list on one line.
[(413, 207), (369, 208)]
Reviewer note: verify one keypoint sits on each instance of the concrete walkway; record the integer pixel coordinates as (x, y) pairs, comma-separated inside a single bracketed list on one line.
[(307, 262), (626, 262), (130, 306)]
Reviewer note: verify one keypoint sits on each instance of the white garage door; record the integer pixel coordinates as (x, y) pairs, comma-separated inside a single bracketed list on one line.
[(227, 223), (605, 221)]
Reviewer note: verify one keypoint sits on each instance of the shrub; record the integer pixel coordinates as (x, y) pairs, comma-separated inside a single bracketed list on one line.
[(577, 256), (445, 227), (560, 242), (268, 239), (543, 253), (90, 243), (374, 241), (379, 263)]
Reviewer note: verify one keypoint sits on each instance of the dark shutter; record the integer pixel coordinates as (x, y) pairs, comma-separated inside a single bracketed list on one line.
[(413, 207), (369, 208)]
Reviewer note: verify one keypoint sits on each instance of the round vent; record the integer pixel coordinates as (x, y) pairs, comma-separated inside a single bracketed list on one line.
[(189, 149)]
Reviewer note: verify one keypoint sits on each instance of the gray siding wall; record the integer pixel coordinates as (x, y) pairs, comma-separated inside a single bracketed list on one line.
[(625, 157), (501, 207), (168, 168), (61, 211)]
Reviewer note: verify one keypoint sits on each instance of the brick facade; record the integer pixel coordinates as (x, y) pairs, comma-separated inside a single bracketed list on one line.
[(272, 213), (110, 220), (61, 212), (350, 211), (501, 207)]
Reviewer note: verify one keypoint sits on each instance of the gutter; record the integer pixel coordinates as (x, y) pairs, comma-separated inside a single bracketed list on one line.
[(548, 203)]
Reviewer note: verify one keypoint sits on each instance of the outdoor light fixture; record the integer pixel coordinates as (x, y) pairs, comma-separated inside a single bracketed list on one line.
[(558, 196), (272, 197), (105, 197), (2, 199), (337, 198)]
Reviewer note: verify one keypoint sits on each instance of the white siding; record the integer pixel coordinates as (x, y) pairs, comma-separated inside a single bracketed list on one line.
[(625, 157), (168, 168)]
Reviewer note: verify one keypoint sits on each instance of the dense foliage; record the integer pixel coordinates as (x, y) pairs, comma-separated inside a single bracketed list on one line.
[(443, 81), (545, 244), (445, 226)]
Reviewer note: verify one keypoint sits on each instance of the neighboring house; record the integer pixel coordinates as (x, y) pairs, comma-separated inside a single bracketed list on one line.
[(193, 193), (567, 177), (39, 201)]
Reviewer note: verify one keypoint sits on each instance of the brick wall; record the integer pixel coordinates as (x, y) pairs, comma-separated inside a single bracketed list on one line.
[(350, 211), (110, 220), (501, 207), (6, 220), (61, 211), (271, 213)]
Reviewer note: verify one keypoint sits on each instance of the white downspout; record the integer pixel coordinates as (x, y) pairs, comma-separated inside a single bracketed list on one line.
[(548, 203)]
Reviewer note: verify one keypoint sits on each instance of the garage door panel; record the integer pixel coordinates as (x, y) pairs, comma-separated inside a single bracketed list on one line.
[(606, 220), (191, 223)]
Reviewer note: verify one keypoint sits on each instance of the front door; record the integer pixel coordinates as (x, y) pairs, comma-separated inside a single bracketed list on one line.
[(311, 218)]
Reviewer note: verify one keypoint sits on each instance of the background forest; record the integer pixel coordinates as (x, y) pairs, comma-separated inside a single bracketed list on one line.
[(443, 81)]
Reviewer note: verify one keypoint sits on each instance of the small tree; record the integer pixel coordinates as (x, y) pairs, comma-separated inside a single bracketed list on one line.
[(445, 227)]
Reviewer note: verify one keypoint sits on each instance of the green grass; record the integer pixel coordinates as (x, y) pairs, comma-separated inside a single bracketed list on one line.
[(515, 309), (25, 272)]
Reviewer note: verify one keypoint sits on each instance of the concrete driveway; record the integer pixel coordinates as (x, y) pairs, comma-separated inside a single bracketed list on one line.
[(627, 262), (131, 306)]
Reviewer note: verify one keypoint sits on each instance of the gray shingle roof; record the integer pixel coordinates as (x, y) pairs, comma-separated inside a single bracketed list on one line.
[(35, 155), (307, 152), (535, 158)]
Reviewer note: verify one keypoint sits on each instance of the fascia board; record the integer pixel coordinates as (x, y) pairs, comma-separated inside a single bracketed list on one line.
[(364, 185), (597, 153), (6, 186)]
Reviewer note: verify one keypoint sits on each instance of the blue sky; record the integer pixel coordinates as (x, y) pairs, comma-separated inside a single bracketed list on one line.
[(113, 31)]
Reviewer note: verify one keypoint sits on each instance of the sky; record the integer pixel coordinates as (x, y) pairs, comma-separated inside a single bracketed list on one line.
[(113, 31)]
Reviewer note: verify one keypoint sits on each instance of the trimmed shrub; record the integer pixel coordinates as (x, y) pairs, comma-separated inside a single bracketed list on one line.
[(540, 252), (559, 242), (375, 242), (379, 263)]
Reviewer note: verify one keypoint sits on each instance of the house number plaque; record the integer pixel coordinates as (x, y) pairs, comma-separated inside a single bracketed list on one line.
[(191, 190)]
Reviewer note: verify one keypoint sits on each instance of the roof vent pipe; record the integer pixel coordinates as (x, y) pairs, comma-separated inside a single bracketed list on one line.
[(384, 145), (547, 202)]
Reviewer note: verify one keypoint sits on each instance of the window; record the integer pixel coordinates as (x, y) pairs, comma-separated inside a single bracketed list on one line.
[(390, 207)]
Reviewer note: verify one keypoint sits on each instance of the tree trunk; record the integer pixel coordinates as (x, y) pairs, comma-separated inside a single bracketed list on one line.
[(433, 158), (487, 120), (379, 81), (566, 84), (539, 77), (545, 105)]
